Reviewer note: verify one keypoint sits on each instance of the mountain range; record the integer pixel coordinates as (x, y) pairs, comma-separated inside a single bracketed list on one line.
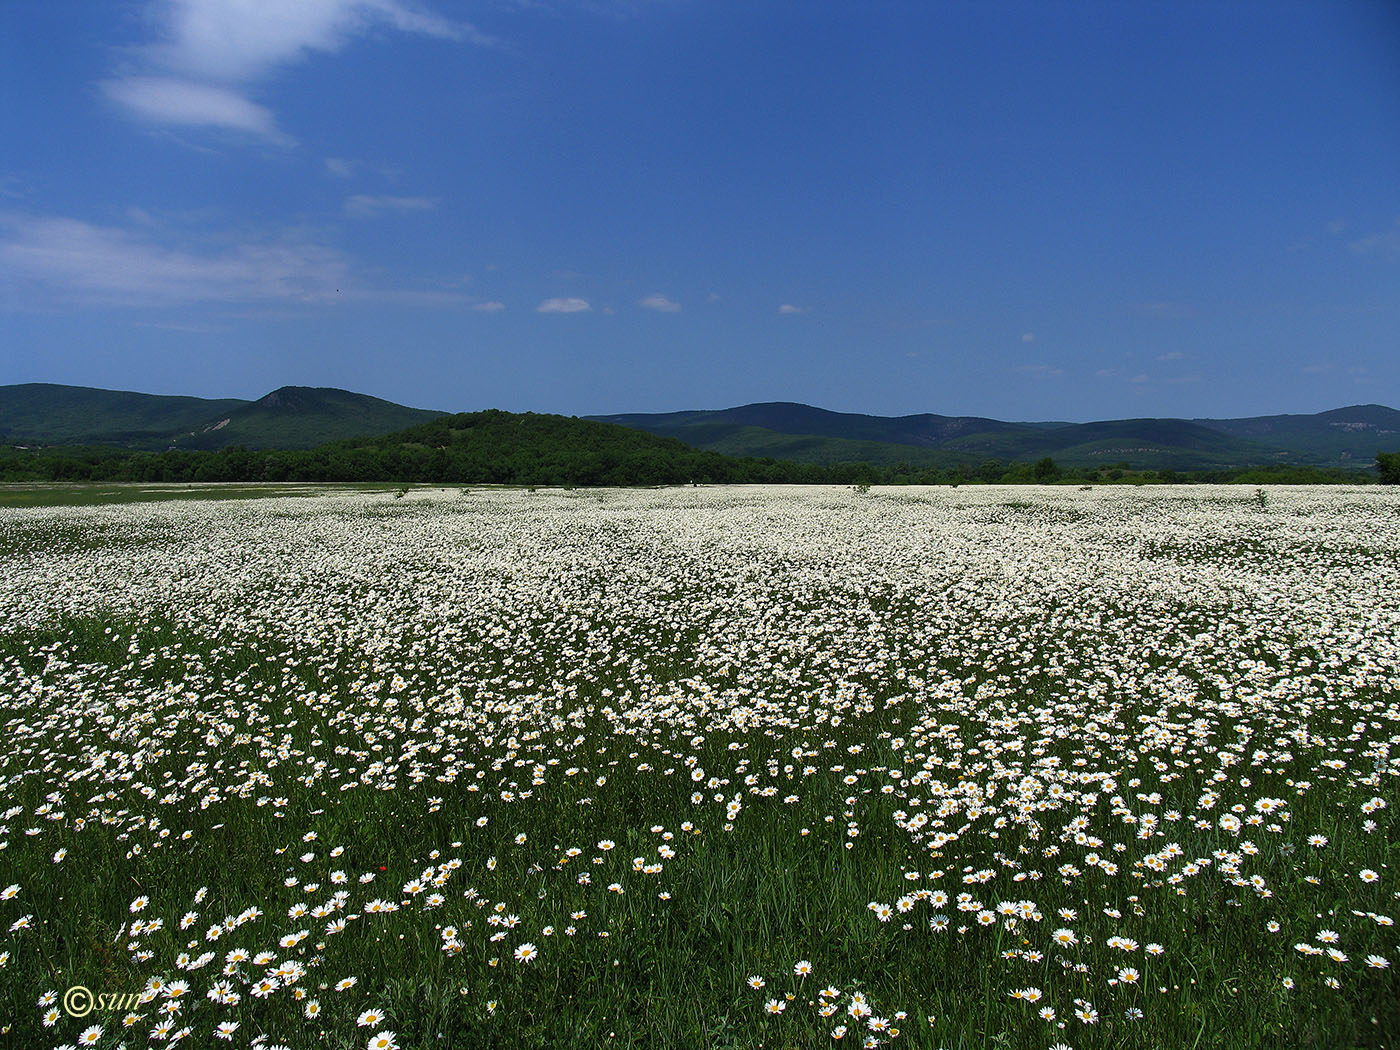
[(296, 417), (1339, 438)]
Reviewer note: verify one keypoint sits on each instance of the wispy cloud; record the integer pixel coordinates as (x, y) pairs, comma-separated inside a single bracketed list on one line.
[(167, 100), (363, 206), (563, 306), (1027, 337), (237, 41), (1171, 355), (491, 307), (660, 303), (75, 261), (788, 308), (1384, 245), (58, 260), (211, 52), (1040, 370), (340, 167)]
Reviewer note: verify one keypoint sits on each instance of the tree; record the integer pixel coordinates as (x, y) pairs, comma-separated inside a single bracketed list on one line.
[(1045, 470), (1388, 463)]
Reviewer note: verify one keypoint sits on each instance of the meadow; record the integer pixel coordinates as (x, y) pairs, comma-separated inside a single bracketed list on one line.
[(1021, 767)]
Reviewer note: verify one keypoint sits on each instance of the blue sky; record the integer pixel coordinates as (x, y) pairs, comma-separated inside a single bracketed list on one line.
[(1027, 210)]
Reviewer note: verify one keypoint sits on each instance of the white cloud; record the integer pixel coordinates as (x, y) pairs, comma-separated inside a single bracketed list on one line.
[(235, 41), (788, 308), (1027, 337), (166, 100), (563, 306), (71, 260), (363, 206), (1385, 245), (210, 51), (489, 308), (340, 167), (660, 303)]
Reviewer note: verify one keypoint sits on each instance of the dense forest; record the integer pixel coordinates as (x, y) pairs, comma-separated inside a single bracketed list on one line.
[(495, 447)]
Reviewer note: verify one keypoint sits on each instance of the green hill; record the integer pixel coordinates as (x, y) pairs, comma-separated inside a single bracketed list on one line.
[(291, 417), (1342, 437), (302, 417), (532, 448), (53, 414)]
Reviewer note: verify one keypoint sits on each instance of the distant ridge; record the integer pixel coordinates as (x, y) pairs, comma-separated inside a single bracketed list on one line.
[(291, 417), (1344, 437), (300, 417)]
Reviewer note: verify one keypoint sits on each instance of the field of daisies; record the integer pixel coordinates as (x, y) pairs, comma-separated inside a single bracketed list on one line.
[(1012, 767)]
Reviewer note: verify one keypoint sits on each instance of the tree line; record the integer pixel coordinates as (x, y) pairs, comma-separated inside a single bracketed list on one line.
[(496, 447)]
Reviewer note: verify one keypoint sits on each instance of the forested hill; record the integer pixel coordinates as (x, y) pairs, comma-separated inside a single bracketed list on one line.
[(533, 448)]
